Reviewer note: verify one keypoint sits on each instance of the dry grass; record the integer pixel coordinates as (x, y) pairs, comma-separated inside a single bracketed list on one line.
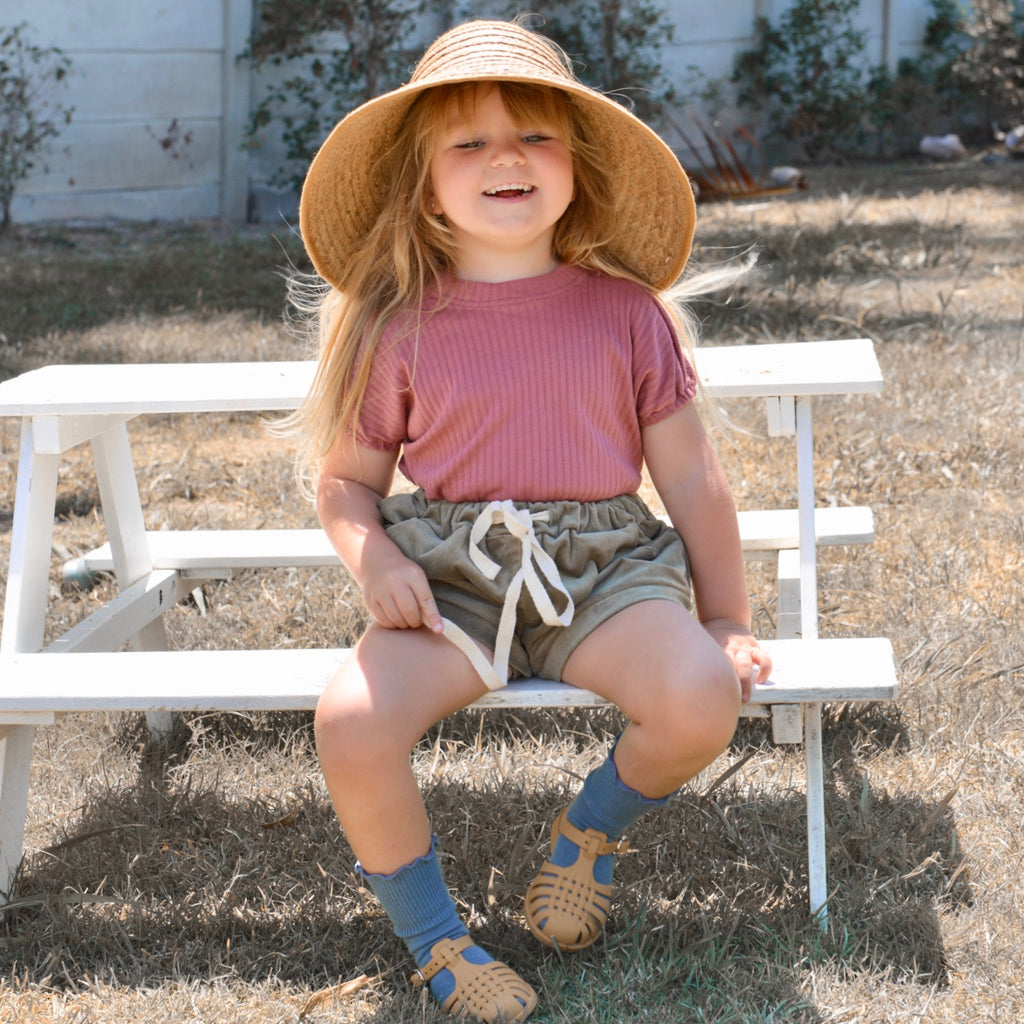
[(208, 881)]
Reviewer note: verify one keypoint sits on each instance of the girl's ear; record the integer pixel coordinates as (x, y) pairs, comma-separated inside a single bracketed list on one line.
[(432, 204)]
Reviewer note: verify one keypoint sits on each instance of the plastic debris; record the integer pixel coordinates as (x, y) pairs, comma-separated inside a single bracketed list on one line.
[(787, 177), (1013, 140), (943, 147)]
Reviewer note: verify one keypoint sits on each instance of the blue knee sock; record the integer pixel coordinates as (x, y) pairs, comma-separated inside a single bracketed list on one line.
[(607, 804), (423, 912)]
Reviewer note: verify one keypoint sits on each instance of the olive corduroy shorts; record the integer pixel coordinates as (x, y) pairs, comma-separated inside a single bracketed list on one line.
[(609, 555)]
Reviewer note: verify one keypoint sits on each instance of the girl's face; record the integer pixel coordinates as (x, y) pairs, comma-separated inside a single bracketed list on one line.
[(501, 187)]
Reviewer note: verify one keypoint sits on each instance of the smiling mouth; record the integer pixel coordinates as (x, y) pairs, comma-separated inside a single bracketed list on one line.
[(512, 190)]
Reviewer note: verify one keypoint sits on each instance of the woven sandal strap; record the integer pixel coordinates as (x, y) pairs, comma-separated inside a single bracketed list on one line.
[(443, 954), (485, 987), (591, 841)]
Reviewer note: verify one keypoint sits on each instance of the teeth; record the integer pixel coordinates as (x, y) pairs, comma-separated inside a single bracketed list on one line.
[(516, 186)]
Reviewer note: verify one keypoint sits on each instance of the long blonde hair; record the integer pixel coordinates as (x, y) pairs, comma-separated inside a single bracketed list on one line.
[(409, 250)]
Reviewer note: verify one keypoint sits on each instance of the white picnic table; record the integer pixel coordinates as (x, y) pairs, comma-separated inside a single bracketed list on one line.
[(62, 406)]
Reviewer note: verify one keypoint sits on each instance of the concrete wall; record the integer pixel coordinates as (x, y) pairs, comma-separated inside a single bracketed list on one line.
[(160, 104), (709, 32), (162, 99)]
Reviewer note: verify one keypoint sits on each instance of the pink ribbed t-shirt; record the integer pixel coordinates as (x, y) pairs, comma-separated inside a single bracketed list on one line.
[(534, 390)]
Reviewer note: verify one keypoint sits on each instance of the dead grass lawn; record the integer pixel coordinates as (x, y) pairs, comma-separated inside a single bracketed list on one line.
[(208, 881)]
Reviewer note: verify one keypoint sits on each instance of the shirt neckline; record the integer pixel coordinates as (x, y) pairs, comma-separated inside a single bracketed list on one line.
[(541, 286)]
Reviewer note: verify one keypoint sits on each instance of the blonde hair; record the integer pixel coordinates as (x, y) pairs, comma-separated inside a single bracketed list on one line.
[(409, 249)]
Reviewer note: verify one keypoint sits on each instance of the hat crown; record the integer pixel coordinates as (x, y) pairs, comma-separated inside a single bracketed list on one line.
[(346, 187), (492, 49)]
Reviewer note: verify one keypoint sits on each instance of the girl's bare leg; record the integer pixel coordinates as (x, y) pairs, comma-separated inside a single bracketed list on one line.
[(673, 682), (394, 686), (682, 698)]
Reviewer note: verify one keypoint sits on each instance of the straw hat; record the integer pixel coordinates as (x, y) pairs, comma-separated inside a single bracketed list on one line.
[(344, 190)]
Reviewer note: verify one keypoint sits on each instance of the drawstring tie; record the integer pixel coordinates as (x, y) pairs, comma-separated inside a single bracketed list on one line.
[(518, 522)]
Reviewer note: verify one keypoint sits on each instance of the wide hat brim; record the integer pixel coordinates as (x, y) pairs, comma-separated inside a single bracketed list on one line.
[(346, 186)]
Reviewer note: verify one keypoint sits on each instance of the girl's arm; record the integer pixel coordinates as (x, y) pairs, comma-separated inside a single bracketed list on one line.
[(688, 477), (353, 481)]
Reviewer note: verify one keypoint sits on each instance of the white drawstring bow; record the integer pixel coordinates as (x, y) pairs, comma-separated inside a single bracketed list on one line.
[(519, 523)]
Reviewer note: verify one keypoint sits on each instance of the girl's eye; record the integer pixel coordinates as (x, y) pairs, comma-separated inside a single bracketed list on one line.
[(472, 144), (535, 137)]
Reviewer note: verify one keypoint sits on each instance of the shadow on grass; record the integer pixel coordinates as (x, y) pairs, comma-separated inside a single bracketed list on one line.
[(162, 881), (73, 279)]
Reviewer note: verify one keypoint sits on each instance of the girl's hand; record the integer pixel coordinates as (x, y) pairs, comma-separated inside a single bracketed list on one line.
[(398, 595), (752, 663)]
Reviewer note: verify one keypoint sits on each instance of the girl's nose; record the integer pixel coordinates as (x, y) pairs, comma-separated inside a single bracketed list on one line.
[(508, 154)]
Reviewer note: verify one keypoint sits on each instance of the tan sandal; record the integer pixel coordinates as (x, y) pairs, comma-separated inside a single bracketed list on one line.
[(566, 906), (488, 992)]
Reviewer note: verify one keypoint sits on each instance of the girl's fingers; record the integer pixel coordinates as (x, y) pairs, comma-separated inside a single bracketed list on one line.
[(745, 671), (753, 665), (409, 609), (429, 614), (763, 662), (390, 614)]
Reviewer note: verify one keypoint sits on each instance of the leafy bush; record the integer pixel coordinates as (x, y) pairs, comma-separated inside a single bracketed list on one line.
[(29, 116), (924, 96), (617, 48), (968, 74), (318, 87), (992, 66), (616, 43), (808, 77)]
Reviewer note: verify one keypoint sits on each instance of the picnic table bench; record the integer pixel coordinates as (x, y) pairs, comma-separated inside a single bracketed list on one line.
[(62, 406)]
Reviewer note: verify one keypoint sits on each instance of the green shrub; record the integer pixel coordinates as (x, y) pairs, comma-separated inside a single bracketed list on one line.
[(808, 78), (30, 117), (616, 45), (923, 97), (992, 66), (319, 86), (968, 74)]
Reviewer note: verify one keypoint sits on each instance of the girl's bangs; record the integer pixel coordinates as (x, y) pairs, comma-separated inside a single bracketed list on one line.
[(529, 106), (532, 106)]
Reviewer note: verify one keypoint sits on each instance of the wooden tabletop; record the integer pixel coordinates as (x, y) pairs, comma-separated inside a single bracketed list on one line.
[(788, 369)]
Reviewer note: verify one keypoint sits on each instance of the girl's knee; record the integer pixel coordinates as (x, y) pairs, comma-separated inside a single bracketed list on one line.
[(339, 726), (381, 700), (336, 713), (350, 727), (703, 708), (720, 705)]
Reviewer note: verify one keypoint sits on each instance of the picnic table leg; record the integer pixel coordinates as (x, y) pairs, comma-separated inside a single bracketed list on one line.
[(817, 865), (805, 501), (126, 531), (28, 578), (816, 852), (24, 618), (15, 766), (787, 605)]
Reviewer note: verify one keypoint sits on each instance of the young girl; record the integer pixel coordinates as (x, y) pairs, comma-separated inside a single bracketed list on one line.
[(496, 238)]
